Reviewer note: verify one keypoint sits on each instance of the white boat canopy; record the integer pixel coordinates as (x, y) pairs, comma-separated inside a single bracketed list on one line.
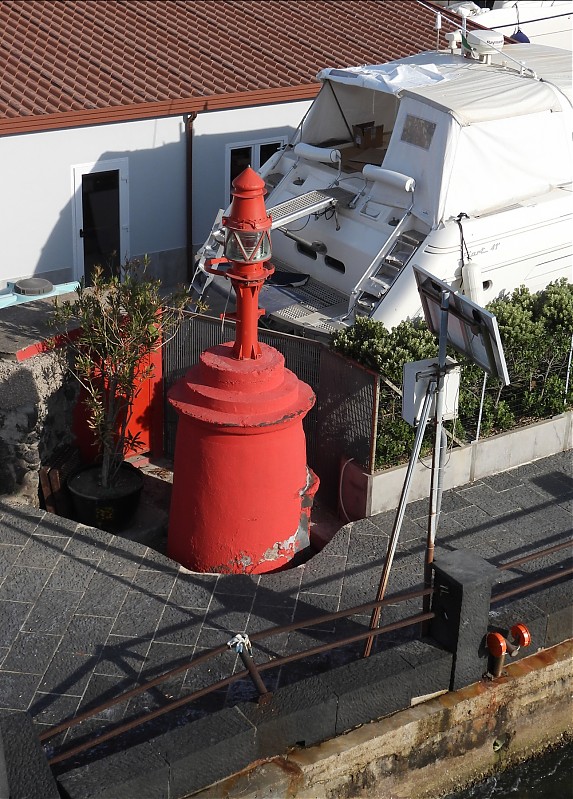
[(475, 137)]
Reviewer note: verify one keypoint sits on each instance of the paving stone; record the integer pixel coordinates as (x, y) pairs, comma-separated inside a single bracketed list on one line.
[(67, 673), (156, 561), (59, 525), (324, 574), (17, 690), (70, 574), (22, 584), (139, 615), (494, 503), (104, 595), (89, 544), (121, 557), (156, 583), (554, 485), (12, 616), (26, 766), (237, 584), (281, 586), (52, 612), (52, 709), (42, 551), (31, 653), (179, 626), (21, 517), (163, 657), (102, 688), (8, 555), (338, 544), (12, 533), (310, 606), (193, 590), (367, 548), (264, 615), (476, 520), (122, 656), (85, 634)]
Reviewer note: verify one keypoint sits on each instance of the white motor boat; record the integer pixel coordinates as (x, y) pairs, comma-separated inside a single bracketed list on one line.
[(545, 22), (459, 164)]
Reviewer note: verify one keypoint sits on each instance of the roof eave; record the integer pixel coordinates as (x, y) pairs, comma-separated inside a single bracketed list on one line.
[(140, 111)]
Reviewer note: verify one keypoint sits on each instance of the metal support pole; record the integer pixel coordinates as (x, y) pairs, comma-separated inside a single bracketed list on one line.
[(437, 460), (392, 543), (241, 644)]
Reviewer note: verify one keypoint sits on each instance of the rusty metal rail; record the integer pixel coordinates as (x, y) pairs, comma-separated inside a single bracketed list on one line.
[(257, 636), (529, 584), (254, 670), (184, 700)]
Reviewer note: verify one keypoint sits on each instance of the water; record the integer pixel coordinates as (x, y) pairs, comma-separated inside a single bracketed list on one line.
[(547, 777)]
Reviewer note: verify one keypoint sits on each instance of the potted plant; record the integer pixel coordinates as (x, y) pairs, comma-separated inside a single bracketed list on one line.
[(109, 332)]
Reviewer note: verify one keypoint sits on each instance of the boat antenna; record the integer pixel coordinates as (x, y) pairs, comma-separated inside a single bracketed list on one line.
[(438, 28)]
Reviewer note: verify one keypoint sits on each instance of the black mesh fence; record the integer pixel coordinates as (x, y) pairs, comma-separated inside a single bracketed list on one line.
[(342, 423)]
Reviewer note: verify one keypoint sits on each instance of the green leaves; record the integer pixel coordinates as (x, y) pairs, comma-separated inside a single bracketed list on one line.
[(111, 329), (537, 335)]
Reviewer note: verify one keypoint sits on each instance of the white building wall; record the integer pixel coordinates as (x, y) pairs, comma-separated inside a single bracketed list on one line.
[(38, 237), (36, 193), (212, 132)]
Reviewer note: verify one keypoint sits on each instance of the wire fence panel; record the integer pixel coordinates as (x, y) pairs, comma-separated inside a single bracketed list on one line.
[(341, 424), (347, 408), (198, 333)]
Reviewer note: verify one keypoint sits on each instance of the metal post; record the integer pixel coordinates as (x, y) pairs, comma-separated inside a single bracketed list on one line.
[(241, 644), (392, 543), (437, 460)]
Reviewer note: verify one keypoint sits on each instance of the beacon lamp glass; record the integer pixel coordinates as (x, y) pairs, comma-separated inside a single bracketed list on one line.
[(246, 246)]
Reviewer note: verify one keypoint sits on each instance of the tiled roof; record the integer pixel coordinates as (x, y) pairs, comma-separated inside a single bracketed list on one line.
[(87, 61)]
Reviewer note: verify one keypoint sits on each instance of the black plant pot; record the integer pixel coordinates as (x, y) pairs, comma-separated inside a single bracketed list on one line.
[(108, 509)]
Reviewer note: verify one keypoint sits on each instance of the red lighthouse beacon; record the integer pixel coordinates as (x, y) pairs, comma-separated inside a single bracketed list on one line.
[(242, 491)]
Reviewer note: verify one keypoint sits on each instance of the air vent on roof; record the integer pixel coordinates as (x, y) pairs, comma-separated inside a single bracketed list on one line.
[(33, 286)]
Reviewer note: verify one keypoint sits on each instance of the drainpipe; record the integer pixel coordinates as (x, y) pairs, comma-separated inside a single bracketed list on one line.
[(188, 120)]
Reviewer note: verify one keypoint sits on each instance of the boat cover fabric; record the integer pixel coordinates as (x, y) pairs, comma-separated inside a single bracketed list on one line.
[(500, 137), (472, 91)]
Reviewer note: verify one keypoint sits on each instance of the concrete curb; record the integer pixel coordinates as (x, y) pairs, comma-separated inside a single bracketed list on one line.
[(366, 495)]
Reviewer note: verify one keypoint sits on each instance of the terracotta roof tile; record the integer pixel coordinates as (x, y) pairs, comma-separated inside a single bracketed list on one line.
[(71, 62)]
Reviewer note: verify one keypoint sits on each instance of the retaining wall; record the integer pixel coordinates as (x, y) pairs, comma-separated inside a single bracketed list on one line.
[(365, 495), (36, 405), (430, 749)]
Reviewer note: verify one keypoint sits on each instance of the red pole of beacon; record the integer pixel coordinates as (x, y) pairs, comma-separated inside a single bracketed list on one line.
[(247, 248), (242, 491)]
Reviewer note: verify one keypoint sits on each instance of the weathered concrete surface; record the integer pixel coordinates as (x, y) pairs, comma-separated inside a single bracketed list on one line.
[(36, 403), (428, 750)]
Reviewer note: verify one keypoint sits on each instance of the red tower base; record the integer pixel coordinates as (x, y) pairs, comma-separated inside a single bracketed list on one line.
[(242, 491)]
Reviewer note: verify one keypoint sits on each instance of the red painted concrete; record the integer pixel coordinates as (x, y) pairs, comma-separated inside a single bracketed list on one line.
[(146, 418), (241, 485)]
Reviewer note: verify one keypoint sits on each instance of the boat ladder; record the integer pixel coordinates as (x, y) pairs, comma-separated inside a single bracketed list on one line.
[(312, 202), (385, 268)]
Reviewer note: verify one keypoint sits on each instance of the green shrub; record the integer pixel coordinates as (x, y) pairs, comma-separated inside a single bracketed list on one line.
[(537, 334)]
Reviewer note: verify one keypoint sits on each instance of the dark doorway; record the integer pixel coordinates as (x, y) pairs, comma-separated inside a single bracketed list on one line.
[(100, 229)]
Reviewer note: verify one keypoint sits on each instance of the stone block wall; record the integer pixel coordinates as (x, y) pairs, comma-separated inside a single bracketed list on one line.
[(37, 398)]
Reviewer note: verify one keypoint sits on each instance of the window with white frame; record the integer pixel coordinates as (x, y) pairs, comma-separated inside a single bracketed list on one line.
[(254, 154)]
